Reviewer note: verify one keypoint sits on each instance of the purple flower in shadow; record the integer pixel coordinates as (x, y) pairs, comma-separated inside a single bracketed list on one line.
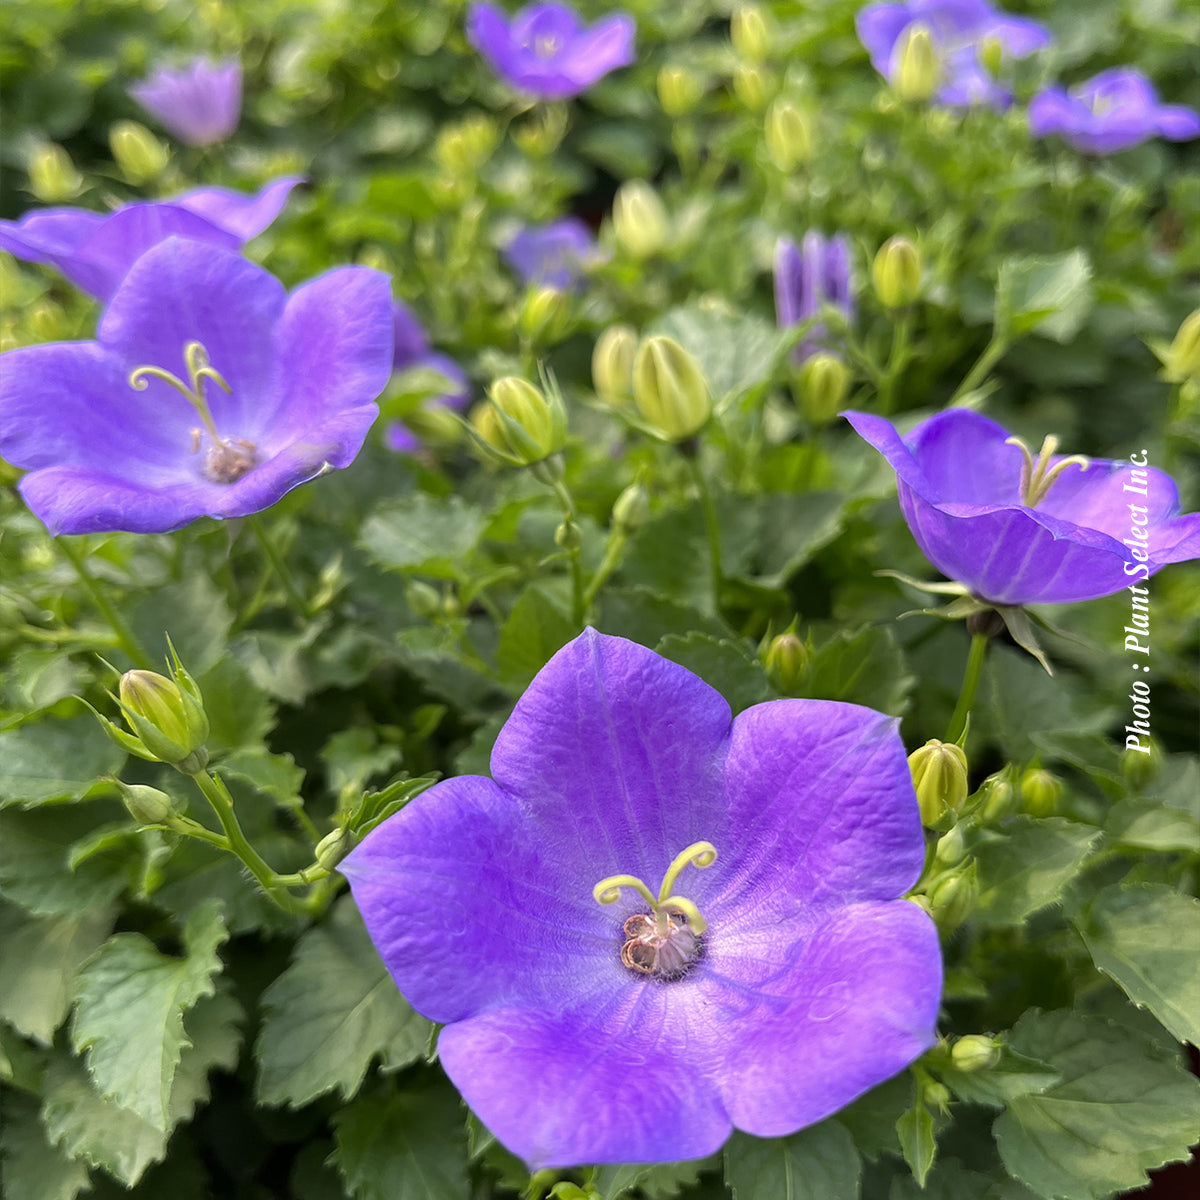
[(547, 51), (1110, 112), (95, 250), (1015, 530), (210, 391), (817, 273), (775, 976), (958, 29), (200, 104), (554, 255), (413, 352)]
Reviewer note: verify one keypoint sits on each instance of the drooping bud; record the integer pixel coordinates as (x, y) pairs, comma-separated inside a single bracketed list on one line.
[(520, 424), (975, 1052), (822, 385), (748, 32), (146, 805), (939, 771), (669, 389), (951, 847), (612, 365), (789, 135), (333, 847), (679, 90), (896, 273), (1181, 360), (544, 314), (786, 660), (918, 70), (139, 154), (52, 175), (952, 896), (167, 717), (631, 510), (640, 221), (462, 148), (752, 86), (1041, 792)]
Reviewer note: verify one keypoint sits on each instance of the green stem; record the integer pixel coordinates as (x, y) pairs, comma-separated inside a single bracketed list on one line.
[(613, 551), (126, 638), (897, 361), (575, 554), (711, 525), (970, 685), (992, 353), (294, 594)]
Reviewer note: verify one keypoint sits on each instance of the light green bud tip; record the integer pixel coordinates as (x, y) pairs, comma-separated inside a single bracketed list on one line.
[(752, 86), (788, 133), (920, 71), (998, 796), (679, 90), (824, 381), (1182, 360), (1041, 792), (632, 508), (519, 424), (939, 771), (953, 895), (167, 717), (669, 389), (612, 365), (896, 273), (464, 147), (333, 847), (991, 55), (975, 1052), (786, 661), (748, 32), (52, 175), (139, 154), (146, 805), (951, 847), (640, 221), (544, 313)]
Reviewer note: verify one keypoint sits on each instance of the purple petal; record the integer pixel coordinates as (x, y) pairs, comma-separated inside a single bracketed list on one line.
[(1178, 123), (544, 23), (243, 216), (1050, 111), (879, 28), (410, 340), (788, 272), (606, 46), (45, 234), (1020, 36), (1118, 88), (966, 459), (200, 104), (397, 436), (554, 254), (459, 394)]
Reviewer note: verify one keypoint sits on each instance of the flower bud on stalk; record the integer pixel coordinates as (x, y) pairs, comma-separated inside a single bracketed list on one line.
[(748, 32), (146, 805), (669, 389), (919, 71), (544, 314), (640, 221), (939, 771), (751, 86), (139, 154), (612, 365), (1139, 769), (52, 175), (1181, 359), (679, 90), (951, 848), (991, 56), (631, 509), (1041, 792), (333, 847), (786, 661), (464, 147), (975, 1052), (823, 383), (952, 896), (519, 424), (788, 134), (167, 718), (896, 273), (997, 797)]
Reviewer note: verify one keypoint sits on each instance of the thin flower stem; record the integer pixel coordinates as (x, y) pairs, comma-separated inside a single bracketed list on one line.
[(970, 685), (126, 638), (992, 353), (613, 550), (294, 594), (574, 552), (897, 361), (712, 526)]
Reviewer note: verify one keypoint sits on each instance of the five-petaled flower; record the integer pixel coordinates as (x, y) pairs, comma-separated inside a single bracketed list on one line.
[(1015, 529), (95, 250), (1112, 111), (554, 255), (772, 976), (209, 391), (546, 51), (816, 274), (961, 30), (200, 104)]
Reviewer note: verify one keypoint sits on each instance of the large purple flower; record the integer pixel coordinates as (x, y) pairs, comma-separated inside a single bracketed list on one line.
[(589, 1019), (200, 104), (1110, 112), (1019, 530), (413, 352), (94, 250), (209, 391), (806, 278), (554, 255), (959, 28), (547, 51)]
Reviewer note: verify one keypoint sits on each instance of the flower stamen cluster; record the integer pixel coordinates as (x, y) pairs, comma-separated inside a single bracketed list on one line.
[(1038, 475)]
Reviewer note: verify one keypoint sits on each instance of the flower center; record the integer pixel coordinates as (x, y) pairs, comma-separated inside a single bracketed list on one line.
[(665, 942), (1037, 475), (546, 46), (226, 460)]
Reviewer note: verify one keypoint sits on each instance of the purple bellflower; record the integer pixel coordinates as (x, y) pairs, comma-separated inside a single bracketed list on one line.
[(209, 391), (959, 28), (595, 1015), (546, 51), (95, 250), (553, 255), (1110, 112), (413, 352), (806, 278), (1015, 529), (200, 104)]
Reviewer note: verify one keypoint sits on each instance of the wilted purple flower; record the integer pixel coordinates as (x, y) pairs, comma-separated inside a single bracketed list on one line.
[(199, 104), (818, 273), (413, 352), (547, 51), (1112, 111), (959, 29), (1019, 530), (770, 979), (554, 255), (94, 250), (209, 391)]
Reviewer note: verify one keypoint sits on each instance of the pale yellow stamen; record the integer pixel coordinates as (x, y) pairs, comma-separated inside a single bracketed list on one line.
[(698, 854), (1038, 475)]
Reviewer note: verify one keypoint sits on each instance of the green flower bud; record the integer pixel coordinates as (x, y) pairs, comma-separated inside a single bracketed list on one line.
[(333, 847), (146, 805), (167, 717), (462, 148), (951, 847), (612, 365), (748, 32), (991, 55), (435, 425), (752, 86), (939, 771), (544, 314), (640, 221), (1140, 768), (1182, 358), (679, 90), (568, 536), (139, 154), (935, 1095), (788, 133), (953, 896), (669, 389), (632, 508), (543, 133), (920, 71), (519, 424), (1041, 791), (998, 797), (52, 175), (786, 662), (823, 382), (423, 598), (975, 1052), (896, 273)]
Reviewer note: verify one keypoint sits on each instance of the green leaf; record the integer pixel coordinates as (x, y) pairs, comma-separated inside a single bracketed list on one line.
[(656, 1181), (275, 775), (196, 616), (34, 1168), (646, 618), (792, 528), (871, 1119), (918, 1142), (411, 1144), (818, 1163), (1025, 863), (42, 956), (735, 351), (949, 1180), (1050, 295), (239, 713), (422, 533), (1123, 1108), (130, 1015), (47, 761), (867, 667), (535, 629), (330, 1013), (1013, 1075), (1145, 938), (722, 664), (1141, 826), (401, 193)]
